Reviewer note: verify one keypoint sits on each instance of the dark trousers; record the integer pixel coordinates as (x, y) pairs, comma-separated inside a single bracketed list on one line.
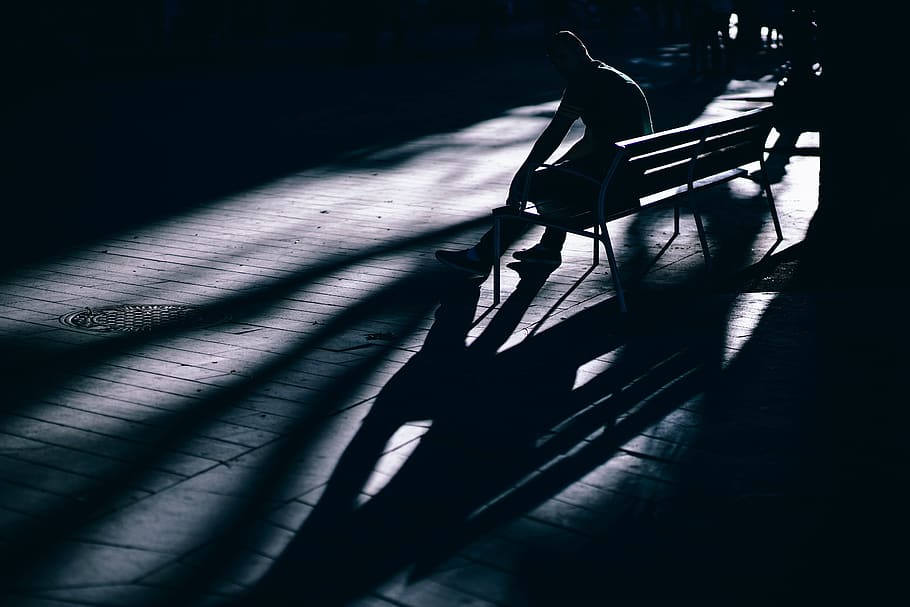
[(548, 185)]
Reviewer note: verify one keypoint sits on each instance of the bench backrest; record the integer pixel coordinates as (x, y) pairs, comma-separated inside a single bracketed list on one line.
[(678, 157)]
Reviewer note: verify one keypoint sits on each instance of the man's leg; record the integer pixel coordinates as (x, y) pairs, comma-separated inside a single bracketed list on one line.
[(479, 259), (548, 251), (557, 189), (546, 184), (509, 233)]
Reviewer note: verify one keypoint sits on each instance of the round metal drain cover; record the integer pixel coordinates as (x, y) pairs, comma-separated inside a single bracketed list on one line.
[(130, 318)]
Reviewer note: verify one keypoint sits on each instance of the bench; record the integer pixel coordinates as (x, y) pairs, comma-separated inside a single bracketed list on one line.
[(659, 169)]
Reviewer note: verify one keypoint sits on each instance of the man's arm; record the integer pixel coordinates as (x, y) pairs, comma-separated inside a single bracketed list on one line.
[(550, 139), (580, 149)]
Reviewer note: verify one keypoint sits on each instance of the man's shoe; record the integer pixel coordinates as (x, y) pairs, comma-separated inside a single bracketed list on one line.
[(539, 254), (462, 261)]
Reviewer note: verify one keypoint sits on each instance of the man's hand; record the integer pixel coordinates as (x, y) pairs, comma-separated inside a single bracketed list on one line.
[(542, 149), (517, 188)]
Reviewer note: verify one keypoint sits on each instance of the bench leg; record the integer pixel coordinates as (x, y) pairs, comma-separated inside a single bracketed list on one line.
[(702, 237), (676, 220), (596, 244), (614, 270), (497, 237), (766, 186)]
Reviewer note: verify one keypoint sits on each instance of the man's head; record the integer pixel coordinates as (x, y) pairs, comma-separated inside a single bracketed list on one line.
[(568, 53)]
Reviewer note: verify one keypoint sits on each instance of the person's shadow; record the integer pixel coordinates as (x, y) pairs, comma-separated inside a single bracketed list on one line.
[(497, 418), (486, 411)]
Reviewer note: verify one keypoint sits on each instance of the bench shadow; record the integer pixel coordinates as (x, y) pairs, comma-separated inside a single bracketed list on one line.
[(498, 418)]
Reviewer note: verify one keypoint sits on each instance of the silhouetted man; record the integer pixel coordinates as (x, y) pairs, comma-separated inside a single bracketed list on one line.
[(612, 107)]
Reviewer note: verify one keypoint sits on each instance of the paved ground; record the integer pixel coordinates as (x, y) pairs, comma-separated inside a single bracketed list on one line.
[(337, 419)]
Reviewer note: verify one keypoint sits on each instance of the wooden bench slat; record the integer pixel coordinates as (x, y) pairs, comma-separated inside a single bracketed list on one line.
[(660, 179), (645, 157), (747, 137), (698, 184), (716, 163)]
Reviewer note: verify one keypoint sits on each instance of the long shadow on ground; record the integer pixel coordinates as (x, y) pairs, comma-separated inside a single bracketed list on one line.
[(509, 431)]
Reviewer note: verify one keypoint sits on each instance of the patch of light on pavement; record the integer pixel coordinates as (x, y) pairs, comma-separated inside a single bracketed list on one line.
[(593, 368), (398, 448), (746, 312), (479, 159)]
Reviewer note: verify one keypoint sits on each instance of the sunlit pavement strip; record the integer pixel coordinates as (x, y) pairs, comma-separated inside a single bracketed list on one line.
[(263, 373)]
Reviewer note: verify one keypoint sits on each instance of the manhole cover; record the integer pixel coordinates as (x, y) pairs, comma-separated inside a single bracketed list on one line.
[(130, 318)]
